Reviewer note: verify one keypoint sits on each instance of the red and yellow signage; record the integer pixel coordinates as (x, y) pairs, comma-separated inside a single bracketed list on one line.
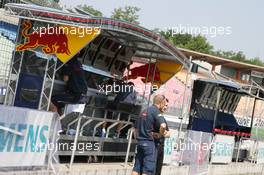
[(62, 41), (159, 74)]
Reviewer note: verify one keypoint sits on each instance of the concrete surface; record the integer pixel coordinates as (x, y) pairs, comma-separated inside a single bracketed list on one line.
[(120, 169)]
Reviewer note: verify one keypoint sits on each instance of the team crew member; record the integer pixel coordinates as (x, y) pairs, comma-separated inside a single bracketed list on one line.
[(159, 140), (145, 161), (76, 86)]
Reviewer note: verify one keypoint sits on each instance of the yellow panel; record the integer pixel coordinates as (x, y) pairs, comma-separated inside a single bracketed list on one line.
[(167, 70), (63, 41), (76, 41)]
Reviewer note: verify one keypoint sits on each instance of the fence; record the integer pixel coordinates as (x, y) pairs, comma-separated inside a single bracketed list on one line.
[(8, 28)]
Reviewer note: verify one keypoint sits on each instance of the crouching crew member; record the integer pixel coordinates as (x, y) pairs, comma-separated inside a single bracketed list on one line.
[(76, 86)]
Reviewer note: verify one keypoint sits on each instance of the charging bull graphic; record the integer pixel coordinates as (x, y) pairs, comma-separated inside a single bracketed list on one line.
[(63, 41), (53, 40)]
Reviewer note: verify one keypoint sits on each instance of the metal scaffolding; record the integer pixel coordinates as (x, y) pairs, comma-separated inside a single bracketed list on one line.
[(48, 84), (128, 33), (15, 70)]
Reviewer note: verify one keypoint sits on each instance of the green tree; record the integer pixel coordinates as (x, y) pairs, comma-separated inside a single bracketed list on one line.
[(128, 13), (45, 3), (91, 10), (200, 44), (196, 43), (238, 56), (257, 61)]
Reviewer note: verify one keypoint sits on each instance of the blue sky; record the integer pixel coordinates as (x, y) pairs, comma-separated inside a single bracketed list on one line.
[(244, 19)]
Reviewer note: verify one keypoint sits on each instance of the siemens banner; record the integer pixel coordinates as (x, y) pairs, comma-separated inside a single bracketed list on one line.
[(24, 136)]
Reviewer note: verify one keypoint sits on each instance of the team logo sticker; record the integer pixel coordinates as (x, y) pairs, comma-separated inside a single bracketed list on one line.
[(60, 40)]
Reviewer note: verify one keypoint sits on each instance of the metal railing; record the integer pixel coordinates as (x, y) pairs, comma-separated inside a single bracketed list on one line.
[(83, 120)]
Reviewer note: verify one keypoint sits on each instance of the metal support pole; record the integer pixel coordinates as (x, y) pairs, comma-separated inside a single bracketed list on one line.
[(48, 82), (43, 84), (200, 142), (215, 114), (152, 80), (53, 152), (238, 150), (181, 117), (253, 113), (211, 147), (52, 83), (255, 152), (262, 169), (75, 139), (245, 113), (147, 76), (128, 146), (17, 77), (217, 107), (183, 101), (15, 61)]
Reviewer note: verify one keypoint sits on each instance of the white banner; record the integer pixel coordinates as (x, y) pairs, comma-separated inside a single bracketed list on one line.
[(169, 145), (196, 152), (260, 155), (24, 135), (223, 147), (246, 121), (257, 74)]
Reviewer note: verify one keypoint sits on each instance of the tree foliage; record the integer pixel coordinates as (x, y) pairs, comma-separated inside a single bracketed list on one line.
[(45, 3), (91, 10), (196, 43), (200, 44), (238, 56), (128, 13)]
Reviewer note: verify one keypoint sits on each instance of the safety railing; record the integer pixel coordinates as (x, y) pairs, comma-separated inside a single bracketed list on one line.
[(81, 122)]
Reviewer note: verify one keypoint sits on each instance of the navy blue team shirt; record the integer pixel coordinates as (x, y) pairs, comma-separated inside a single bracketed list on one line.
[(147, 122)]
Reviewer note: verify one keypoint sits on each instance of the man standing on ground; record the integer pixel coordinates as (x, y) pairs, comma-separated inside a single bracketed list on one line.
[(160, 139), (145, 161)]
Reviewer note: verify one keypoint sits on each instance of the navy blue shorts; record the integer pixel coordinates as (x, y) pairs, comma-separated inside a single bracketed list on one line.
[(145, 161)]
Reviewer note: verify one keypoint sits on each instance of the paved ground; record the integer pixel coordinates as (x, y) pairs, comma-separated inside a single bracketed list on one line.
[(121, 169)]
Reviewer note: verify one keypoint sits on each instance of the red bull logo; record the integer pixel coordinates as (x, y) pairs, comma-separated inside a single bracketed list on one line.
[(52, 40)]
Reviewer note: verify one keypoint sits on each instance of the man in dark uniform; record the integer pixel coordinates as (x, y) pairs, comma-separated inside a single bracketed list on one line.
[(159, 141), (76, 86), (145, 161)]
